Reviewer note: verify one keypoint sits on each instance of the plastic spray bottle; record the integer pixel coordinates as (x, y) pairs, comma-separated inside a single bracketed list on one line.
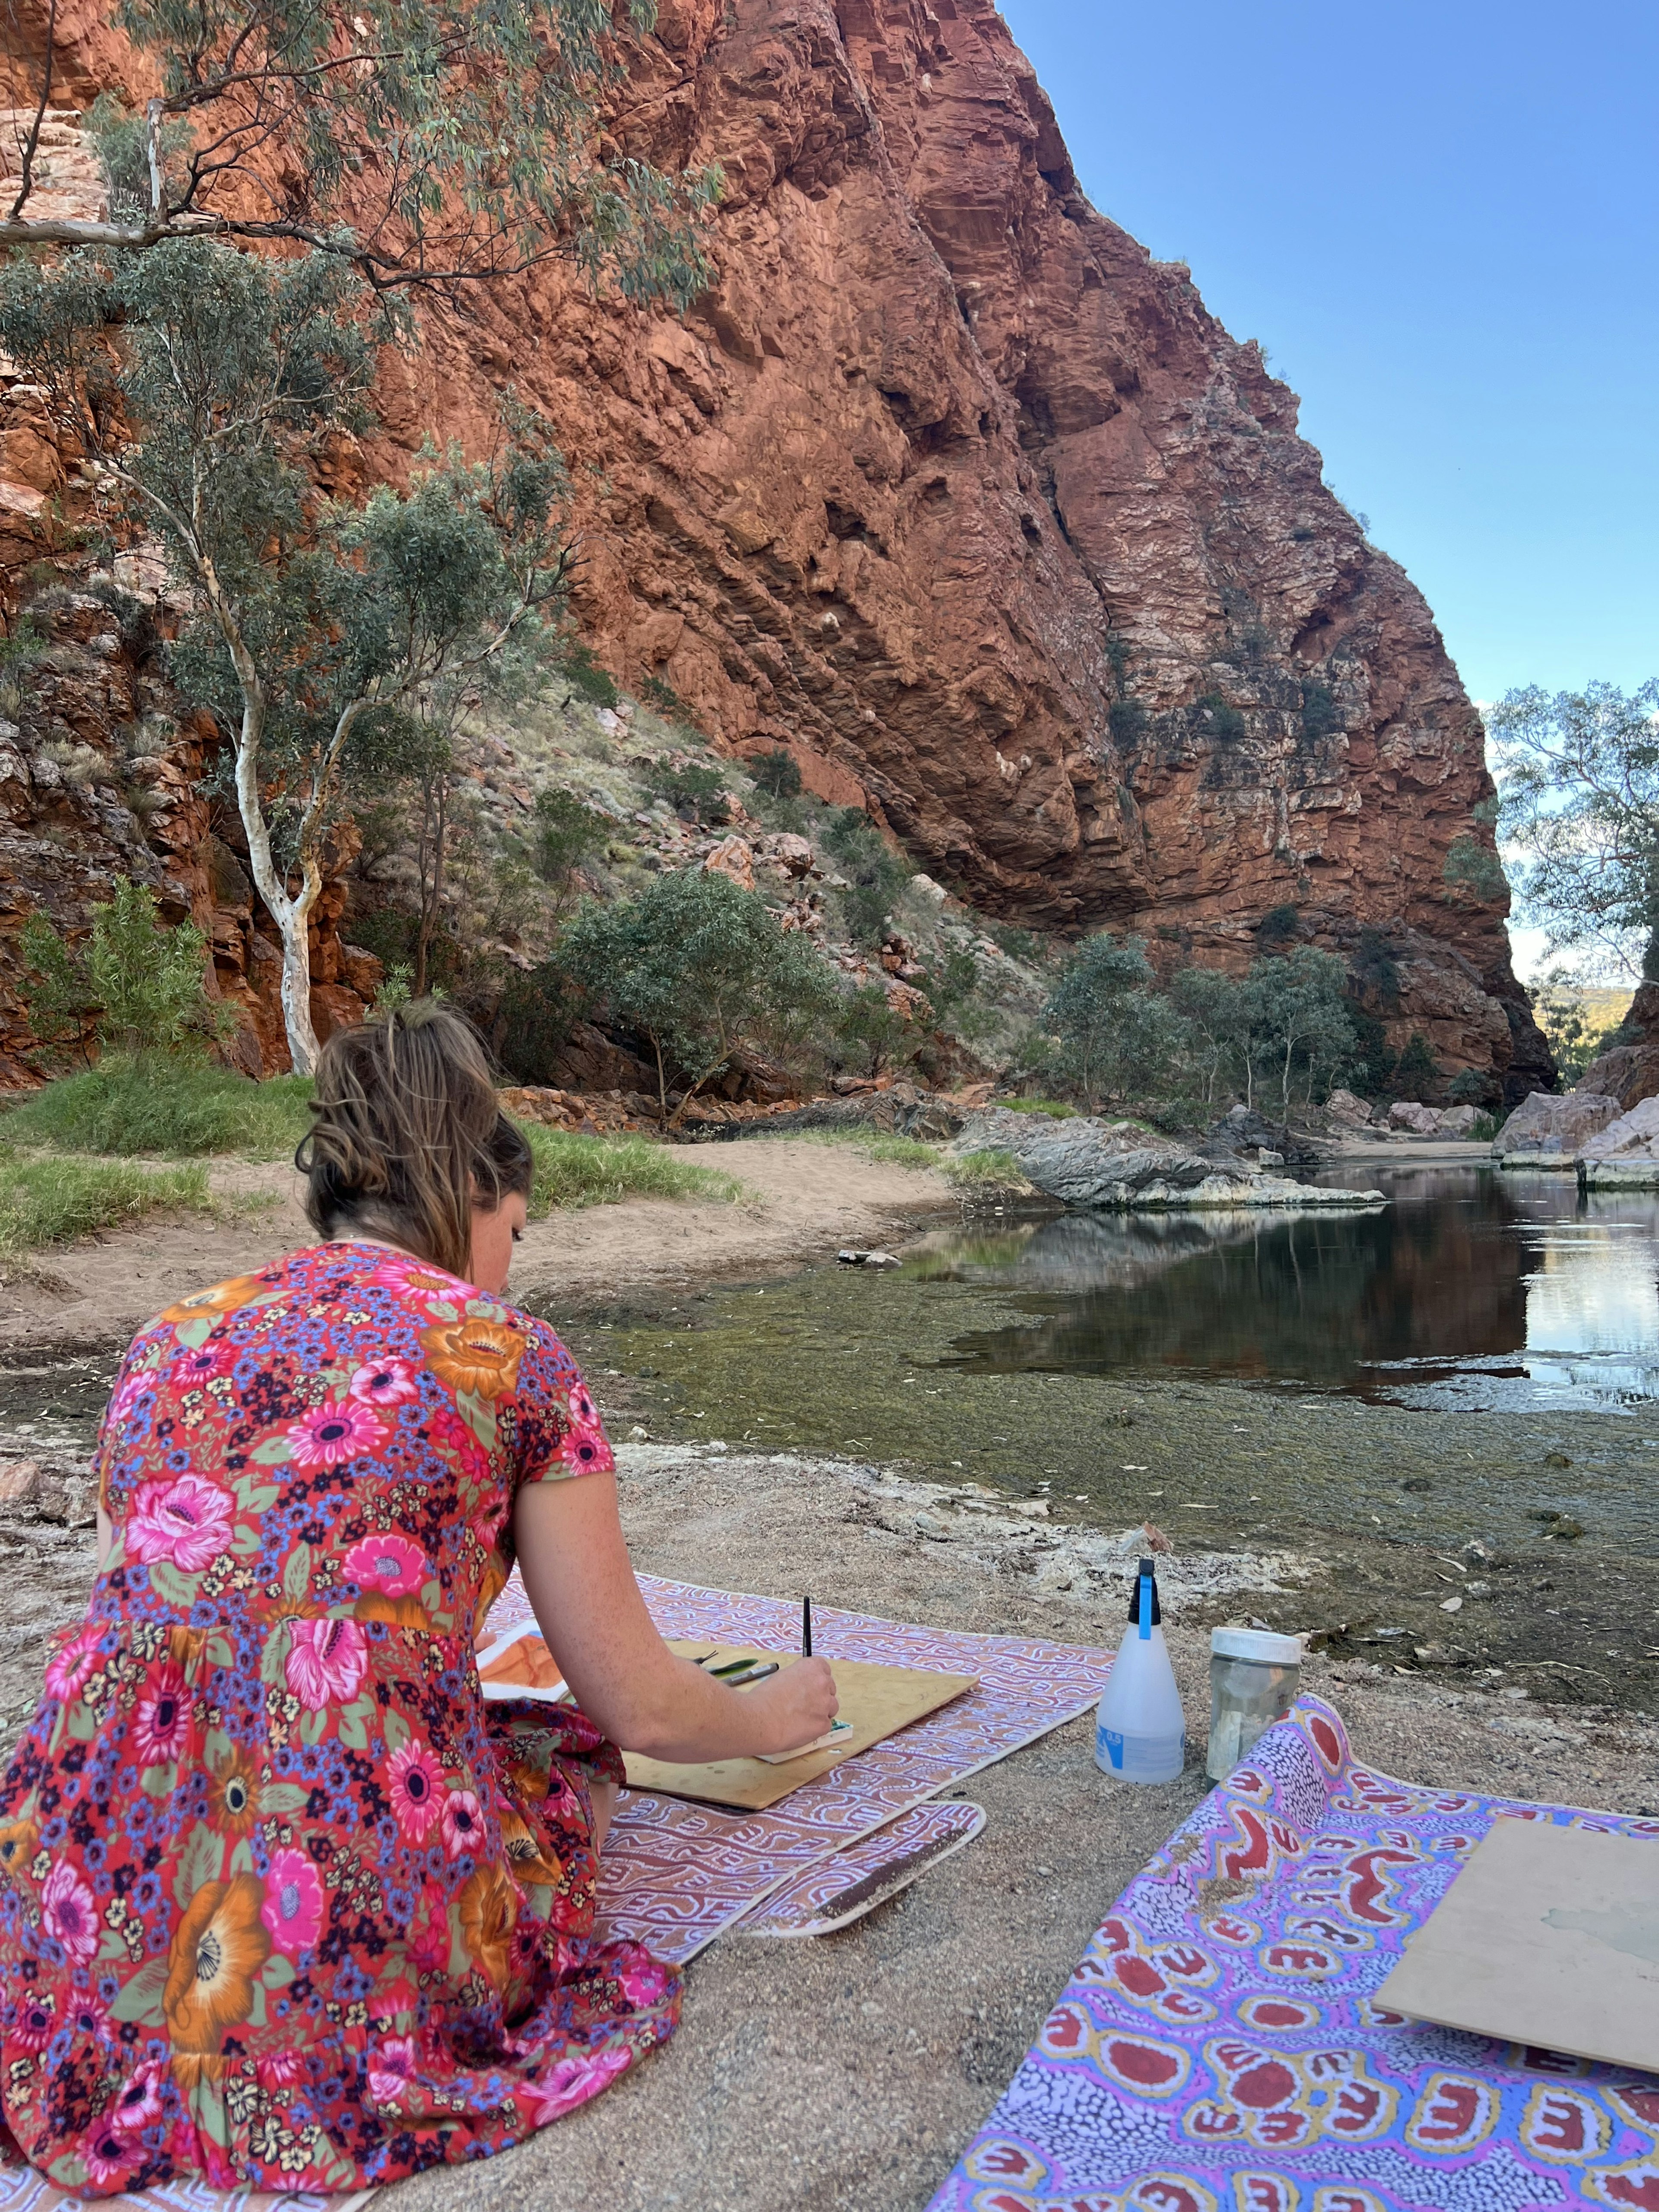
[(1140, 1731)]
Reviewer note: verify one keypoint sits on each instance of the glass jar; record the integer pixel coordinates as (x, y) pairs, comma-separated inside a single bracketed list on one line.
[(1254, 1675)]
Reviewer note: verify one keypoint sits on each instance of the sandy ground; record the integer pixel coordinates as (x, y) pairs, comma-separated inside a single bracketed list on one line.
[(847, 2071), (803, 1199)]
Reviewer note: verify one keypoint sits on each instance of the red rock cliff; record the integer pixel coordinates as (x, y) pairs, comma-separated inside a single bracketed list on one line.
[(951, 487)]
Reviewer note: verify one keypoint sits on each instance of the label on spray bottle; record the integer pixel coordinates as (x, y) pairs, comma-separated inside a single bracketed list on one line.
[(1108, 1747)]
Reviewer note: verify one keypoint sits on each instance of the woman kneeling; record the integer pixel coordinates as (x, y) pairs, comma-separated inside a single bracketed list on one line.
[(282, 1900)]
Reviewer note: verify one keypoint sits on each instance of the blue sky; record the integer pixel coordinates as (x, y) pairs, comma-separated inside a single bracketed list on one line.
[(1441, 222)]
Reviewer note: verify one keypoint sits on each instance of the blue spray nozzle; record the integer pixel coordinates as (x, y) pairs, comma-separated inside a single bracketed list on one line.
[(1144, 1611)]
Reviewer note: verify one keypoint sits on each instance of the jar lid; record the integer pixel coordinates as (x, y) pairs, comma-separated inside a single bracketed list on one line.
[(1261, 1644)]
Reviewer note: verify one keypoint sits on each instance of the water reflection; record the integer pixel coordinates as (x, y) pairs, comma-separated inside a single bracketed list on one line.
[(1470, 1289)]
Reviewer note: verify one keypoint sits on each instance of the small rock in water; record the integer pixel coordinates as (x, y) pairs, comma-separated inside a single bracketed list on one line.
[(1557, 1459), (850, 1258)]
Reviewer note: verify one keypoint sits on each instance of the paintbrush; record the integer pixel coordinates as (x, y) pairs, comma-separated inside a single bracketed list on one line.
[(807, 1628)]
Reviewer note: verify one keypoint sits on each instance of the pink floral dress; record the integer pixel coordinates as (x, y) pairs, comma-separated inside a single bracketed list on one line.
[(282, 1900)]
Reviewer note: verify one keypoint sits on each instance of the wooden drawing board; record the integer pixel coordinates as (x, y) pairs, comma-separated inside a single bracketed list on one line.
[(878, 1701), (1548, 1936)]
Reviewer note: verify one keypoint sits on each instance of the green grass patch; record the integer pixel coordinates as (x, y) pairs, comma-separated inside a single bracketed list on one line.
[(875, 1144), (574, 1171), (158, 1102), (1055, 1108), (45, 1201), (992, 1170), (903, 1152)]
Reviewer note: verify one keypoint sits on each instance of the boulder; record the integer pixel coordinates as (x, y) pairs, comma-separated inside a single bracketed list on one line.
[(1407, 1114), (1121, 1167), (1625, 1156), (1546, 1132), (1347, 1111), (1630, 1072), (1456, 1121), (734, 859)]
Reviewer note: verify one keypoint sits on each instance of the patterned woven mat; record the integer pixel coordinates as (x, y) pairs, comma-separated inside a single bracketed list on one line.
[(1219, 2050), (854, 1880), (676, 1873)]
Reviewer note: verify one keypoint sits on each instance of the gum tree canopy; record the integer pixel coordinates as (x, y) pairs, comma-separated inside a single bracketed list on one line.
[(380, 147), (427, 141), (199, 382), (1579, 779)]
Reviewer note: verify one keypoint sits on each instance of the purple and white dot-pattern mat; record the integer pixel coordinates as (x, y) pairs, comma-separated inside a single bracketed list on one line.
[(1219, 2049)]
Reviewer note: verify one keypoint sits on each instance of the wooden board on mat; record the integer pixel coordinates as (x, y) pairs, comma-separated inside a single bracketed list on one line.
[(878, 1701), (1549, 1936)]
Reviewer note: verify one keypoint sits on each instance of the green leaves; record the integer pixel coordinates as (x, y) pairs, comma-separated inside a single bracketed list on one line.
[(1578, 780), (699, 966)]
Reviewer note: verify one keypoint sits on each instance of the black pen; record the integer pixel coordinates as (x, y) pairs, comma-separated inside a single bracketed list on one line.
[(807, 1628)]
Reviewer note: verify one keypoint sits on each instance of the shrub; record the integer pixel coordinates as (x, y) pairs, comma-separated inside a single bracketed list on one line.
[(1223, 721), (691, 788), (565, 833), (1474, 868), (875, 873), (143, 984), (586, 676), (574, 1171), (1018, 944), (1321, 714), (699, 969), (1127, 721), (54, 1201), (657, 692), (158, 1103), (1279, 926), (1416, 1073), (870, 1034), (534, 1017), (777, 774)]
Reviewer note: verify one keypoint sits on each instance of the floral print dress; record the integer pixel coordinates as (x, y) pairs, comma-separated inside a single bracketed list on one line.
[(282, 1900)]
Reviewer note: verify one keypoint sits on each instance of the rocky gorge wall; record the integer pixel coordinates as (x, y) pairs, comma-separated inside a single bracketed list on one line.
[(950, 488)]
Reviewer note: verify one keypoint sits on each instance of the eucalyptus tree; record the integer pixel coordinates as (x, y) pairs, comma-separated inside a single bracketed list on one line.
[(1578, 780), (426, 141), (202, 385)]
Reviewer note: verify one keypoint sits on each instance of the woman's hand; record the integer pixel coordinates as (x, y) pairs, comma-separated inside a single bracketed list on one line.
[(799, 1703), (581, 1585)]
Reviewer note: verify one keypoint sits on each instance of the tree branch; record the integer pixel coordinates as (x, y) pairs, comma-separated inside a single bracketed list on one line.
[(31, 144)]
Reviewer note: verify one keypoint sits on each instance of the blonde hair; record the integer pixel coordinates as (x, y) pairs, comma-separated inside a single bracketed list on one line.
[(407, 1136)]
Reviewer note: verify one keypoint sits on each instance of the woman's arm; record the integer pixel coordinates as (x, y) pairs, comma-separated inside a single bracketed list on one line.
[(581, 1584)]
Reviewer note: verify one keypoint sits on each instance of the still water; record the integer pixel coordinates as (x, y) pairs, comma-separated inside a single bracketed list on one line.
[(1470, 1289)]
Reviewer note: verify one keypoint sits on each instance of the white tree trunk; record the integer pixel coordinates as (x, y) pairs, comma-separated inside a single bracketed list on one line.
[(302, 1044)]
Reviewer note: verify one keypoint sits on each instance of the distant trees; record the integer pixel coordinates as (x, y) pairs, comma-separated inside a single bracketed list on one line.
[(1579, 783), (1117, 1033), (1279, 1032)]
